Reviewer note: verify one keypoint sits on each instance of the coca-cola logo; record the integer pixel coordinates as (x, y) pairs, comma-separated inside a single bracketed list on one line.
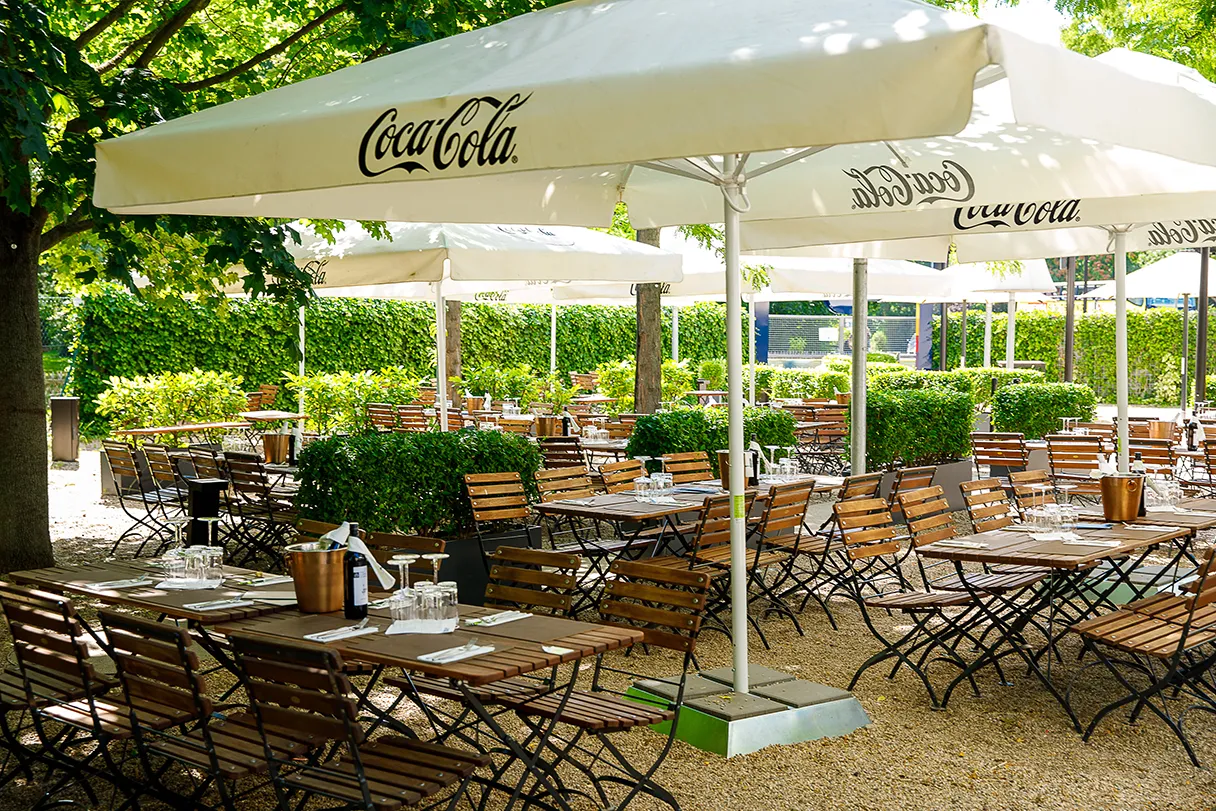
[(477, 132), (491, 295), (884, 186), (315, 270), (664, 289), (1181, 232), (1017, 215)]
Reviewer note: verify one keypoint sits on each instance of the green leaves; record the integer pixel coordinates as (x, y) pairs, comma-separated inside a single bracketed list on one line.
[(174, 398), (406, 482), (1035, 409), (917, 427), (338, 401), (804, 383), (706, 429)]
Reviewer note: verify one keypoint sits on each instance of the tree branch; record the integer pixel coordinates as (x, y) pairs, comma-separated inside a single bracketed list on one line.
[(275, 50), (122, 55), (53, 236), (108, 19), (175, 23)]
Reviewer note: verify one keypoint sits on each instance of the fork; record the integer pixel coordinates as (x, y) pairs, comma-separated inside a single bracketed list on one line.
[(362, 624)]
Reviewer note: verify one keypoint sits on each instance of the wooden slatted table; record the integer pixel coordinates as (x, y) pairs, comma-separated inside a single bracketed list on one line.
[(1019, 548), (193, 428)]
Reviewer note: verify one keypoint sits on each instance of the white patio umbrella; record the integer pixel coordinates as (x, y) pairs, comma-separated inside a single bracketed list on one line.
[(523, 120), (436, 261), (981, 281)]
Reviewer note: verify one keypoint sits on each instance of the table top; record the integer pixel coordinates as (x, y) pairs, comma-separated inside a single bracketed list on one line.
[(518, 645), (710, 393), (1018, 547), (76, 580), (271, 415), (605, 444), (593, 398), (182, 429), (625, 506)]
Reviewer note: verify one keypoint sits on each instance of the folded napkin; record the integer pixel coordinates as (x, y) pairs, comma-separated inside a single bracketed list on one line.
[(1180, 511), (286, 597), (443, 657), (556, 650), (582, 502), (1151, 527), (114, 585), (334, 634), (665, 500), (1083, 542), (1106, 467), (960, 544), (189, 585), (266, 580), (218, 605), (500, 618), (342, 537)]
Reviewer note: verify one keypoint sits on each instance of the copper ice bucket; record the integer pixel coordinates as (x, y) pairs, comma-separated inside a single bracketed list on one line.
[(547, 425), (724, 468), (275, 448), (317, 573), (1160, 429), (1121, 496)]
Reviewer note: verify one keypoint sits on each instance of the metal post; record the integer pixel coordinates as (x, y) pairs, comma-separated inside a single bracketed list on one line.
[(841, 328), (857, 400), (1201, 345), (1070, 315), (943, 339), (553, 338), (300, 393), (1121, 345), (962, 340), (987, 333), (1085, 285), (441, 355), (675, 334), (751, 348), (734, 371), (1011, 328), (1186, 347)]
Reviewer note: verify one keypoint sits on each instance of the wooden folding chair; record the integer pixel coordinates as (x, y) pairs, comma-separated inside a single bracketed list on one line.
[(500, 511), (618, 476), (692, 466), (412, 419), (1031, 488), (1156, 454), (998, 451), (265, 514), (561, 451), (987, 506), (1202, 477), (781, 538), (382, 416), (150, 508), (1072, 459), (515, 425), (1103, 430), (906, 480), (668, 606), (300, 688)]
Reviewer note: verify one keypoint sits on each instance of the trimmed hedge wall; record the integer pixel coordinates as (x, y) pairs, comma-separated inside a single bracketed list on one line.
[(705, 429), (406, 482), (123, 335), (917, 427), (1035, 409)]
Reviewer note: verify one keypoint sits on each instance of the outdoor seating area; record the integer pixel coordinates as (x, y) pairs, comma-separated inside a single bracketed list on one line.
[(648, 405)]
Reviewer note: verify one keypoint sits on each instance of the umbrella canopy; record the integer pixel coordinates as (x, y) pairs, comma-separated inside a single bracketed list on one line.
[(1175, 276), (889, 279), (982, 281), (1057, 195), (523, 120)]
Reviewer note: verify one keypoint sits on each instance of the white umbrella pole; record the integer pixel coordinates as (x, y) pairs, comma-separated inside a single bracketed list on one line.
[(751, 348), (1011, 327), (861, 308), (734, 386), (552, 338), (441, 355), (1121, 344), (300, 394), (987, 333), (962, 340), (675, 334)]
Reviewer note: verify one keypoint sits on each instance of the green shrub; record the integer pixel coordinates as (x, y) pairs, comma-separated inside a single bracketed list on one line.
[(844, 363), (500, 382), (910, 379), (764, 378), (617, 380), (406, 482), (982, 378), (917, 427), (554, 389), (338, 401), (1035, 409), (880, 357), (677, 380), (805, 383), (173, 398), (706, 429), (713, 372)]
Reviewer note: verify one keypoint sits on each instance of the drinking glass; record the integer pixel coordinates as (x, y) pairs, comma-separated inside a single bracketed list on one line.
[(642, 487), (661, 483), (403, 607), (1068, 518), (429, 609), (196, 562), (449, 594), (771, 462), (213, 563), (175, 567), (644, 460)]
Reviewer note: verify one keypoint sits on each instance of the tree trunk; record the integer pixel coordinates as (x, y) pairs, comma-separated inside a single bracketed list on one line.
[(453, 346), (648, 380), (25, 533)]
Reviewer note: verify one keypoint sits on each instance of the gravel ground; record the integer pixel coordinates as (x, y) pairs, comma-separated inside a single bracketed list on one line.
[(1010, 748)]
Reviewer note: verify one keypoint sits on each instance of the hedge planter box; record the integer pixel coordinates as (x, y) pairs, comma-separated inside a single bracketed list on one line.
[(466, 563), (948, 477)]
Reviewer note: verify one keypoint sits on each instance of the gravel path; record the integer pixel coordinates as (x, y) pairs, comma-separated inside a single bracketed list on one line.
[(1010, 748)]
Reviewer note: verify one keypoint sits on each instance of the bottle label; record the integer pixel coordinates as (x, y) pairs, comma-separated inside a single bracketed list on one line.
[(359, 585)]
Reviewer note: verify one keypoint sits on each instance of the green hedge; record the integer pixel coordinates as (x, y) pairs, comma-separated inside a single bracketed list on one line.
[(406, 482), (917, 427), (1035, 409), (908, 380), (173, 398), (115, 333), (705, 429), (806, 383)]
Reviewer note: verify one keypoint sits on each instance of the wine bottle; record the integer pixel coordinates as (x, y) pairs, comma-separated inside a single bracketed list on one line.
[(354, 568), (754, 480)]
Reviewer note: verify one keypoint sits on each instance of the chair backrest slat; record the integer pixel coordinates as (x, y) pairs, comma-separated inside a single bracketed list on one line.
[(999, 449), (692, 466), (987, 506), (928, 515), (532, 579), (666, 604), (618, 476), (564, 482)]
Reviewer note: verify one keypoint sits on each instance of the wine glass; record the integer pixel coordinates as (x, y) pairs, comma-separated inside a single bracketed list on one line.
[(435, 558), (645, 463)]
